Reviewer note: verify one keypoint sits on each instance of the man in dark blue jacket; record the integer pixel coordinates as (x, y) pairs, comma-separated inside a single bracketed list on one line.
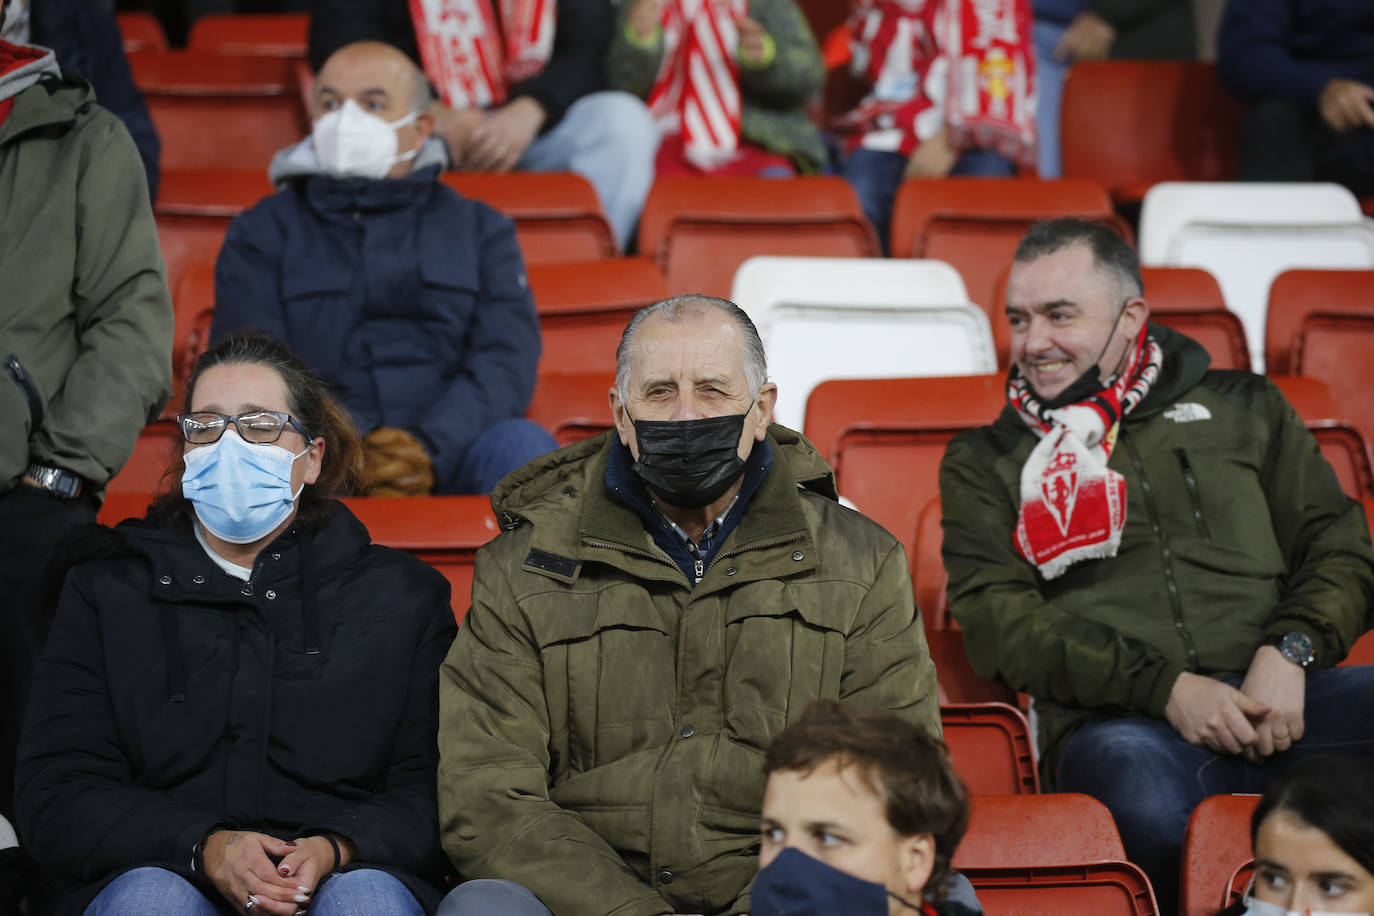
[(86, 39), (409, 299), (1307, 69)]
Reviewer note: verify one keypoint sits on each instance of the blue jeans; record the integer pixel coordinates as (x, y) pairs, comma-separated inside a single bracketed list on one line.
[(875, 176), (1151, 779), (1049, 91), (489, 897), (498, 451), (609, 139), (157, 891)]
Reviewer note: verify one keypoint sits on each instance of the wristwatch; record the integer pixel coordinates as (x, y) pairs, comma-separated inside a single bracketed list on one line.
[(1295, 647), (56, 481)]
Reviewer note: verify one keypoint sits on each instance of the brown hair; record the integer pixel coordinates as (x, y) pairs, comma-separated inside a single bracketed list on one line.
[(310, 403), (907, 768)]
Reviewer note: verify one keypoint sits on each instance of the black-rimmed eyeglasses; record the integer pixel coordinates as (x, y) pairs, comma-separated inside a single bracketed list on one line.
[(258, 426)]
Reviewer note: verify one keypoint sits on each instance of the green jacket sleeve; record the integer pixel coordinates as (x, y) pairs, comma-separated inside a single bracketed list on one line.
[(887, 663), (632, 67), (1010, 630), (496, 819), (1324, 537), (796, 71), (123, 315)]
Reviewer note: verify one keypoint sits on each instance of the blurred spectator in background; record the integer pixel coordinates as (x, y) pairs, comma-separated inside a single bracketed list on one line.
[(83, 35), (953, 93), (1072, 30), (541, 110), (410, 300), (728, 83), (1307, 69)]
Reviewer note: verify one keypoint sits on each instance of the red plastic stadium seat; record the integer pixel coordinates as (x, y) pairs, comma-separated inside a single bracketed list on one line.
[(1342, 445), (1130, 124), (990, 744), (153, 454), (557, 215), (572, 405), (975, 223), (1189, 300), (444, 531), (257, 35), (583, 308), (193, 310), (928, 578), (1321, 323), (220, 111), (958, 682), (119, 506), (1043, 854), (141, 32), (1216, 854), (699, 230), (194, 208)]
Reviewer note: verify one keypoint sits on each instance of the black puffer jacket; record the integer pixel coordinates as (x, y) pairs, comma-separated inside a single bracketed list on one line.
[(172, 697)]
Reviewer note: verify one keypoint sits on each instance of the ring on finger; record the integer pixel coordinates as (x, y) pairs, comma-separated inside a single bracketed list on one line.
[(252, 902)]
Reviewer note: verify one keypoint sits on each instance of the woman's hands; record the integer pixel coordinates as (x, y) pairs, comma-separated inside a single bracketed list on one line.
[(239, 862)]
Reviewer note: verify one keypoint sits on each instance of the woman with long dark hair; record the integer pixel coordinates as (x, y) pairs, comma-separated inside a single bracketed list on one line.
[(237, 705)]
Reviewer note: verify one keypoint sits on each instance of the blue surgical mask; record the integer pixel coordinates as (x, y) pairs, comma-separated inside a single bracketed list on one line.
[(794, 884), (240, 491)]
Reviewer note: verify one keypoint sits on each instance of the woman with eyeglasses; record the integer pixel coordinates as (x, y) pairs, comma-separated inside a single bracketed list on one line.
[(237, 705), (1313, 836)]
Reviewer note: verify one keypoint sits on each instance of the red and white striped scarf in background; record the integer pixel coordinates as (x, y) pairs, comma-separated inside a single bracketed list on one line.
[(1073, 507), (967, 64), (697, 92), (464, 54)]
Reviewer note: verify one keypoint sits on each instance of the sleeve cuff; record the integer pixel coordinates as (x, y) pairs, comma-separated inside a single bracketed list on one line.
[(1152, 689), (770, 53)]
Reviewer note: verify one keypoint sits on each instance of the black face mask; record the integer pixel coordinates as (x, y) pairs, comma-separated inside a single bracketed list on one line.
[(689, 463)]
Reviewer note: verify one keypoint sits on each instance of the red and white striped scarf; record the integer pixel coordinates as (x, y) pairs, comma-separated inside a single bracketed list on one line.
[(965, 64), (1073, 507), (463, 53), (697, 91)]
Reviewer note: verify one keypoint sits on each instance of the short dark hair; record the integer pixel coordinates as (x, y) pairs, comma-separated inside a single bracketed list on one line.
[(908, 768), (309, 401), (1334, 794), (1110, 250)]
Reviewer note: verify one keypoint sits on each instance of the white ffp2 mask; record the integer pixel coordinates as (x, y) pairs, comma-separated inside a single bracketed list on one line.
[(352, 143)]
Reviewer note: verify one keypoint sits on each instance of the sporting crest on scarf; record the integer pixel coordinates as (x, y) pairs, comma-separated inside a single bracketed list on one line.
[(1073, 507), (464, 55), (696, 92)]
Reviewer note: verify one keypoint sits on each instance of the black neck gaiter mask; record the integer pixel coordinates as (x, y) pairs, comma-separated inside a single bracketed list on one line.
[(689, 463)]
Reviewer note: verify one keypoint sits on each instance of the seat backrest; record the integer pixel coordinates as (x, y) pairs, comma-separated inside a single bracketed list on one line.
[(119, 506), (928, 577), (219, 111), (1215, 845), (444, 531), (1245, 234), (1099, 889), (886, 437), (1221, 333), (210, 192), (826, 318), (1301, 292), (975, 223), (141, 31), (557, 215), (1132, 123), (584, 306), (256, 34), (1342, 445), (958, 682), (153, 454), (572, 406), (700, 229), (189, 240), (990, 744), (193, 311)]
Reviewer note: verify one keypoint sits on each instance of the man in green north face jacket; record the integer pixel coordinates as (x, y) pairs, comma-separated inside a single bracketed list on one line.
[(664, 600), (1162, 559)]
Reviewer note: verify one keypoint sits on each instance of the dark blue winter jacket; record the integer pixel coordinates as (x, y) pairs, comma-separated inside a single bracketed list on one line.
[(1291, 49), (86, 40), (410, 300)]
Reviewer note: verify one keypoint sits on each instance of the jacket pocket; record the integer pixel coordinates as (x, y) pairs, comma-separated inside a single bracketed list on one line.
[(1194, 500), (16, 371)]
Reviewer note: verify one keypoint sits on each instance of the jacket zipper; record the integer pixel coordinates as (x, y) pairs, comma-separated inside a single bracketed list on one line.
[(626, 548), (1190, 480), (22, 378)]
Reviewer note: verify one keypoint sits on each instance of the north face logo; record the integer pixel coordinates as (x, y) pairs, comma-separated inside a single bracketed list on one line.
[(1188, 412)]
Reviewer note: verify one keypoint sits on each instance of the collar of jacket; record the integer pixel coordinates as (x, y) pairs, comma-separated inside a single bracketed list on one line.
[(575, 520), (340, 198)]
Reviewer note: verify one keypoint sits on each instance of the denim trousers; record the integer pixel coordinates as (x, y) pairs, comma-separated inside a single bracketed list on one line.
[(1151, 779), (150, 891), (489, 897), (1049, 93), (499, 450)]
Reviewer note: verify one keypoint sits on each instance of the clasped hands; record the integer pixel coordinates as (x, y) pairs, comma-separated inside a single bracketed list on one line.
[(279, 875), (1263, 717)]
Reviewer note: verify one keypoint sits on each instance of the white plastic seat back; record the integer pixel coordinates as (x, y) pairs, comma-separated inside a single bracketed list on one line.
[(828, 318), (1246, 234)]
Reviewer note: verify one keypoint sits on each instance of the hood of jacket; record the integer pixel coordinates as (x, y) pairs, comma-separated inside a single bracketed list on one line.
[(301, 161), (23, 65)]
